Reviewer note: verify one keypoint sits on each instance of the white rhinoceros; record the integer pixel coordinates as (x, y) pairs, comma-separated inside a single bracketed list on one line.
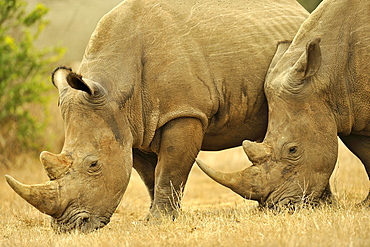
[(318, 88), (160, 80)]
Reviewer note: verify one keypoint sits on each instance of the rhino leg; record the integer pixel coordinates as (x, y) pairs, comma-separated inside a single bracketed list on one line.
[(144, 164), (180, 143), (360, 146)]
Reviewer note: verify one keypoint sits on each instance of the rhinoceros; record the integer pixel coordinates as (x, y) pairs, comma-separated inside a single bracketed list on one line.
[(159, 81), (317, 88)]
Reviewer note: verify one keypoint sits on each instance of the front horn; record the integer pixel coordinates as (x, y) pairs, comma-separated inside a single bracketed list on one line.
[(44, 197), (247, 183)]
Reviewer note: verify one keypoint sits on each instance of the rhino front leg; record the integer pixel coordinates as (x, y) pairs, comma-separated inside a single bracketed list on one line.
[(144, 164), (360, 146), (180, 143)]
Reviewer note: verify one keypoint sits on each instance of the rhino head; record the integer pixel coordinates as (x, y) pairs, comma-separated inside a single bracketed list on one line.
[(90, 175), (294, 162)]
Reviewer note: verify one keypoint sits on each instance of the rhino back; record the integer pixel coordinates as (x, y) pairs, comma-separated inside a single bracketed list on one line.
[(193, 59)]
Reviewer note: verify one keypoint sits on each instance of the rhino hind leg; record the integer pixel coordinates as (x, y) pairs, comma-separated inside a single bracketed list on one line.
[(180, 143), (360, 146), (144, 164)]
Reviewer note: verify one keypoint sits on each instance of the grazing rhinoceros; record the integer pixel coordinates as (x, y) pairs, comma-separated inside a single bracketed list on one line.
[(159, 81), (316, 90)]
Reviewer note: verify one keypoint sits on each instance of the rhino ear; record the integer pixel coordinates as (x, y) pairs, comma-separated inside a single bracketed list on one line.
[(76, 82), (63, 77), (58, 77), (309, 62), (94, 89)]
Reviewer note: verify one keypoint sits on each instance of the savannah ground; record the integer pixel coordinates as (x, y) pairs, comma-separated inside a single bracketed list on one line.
[(212, 215)]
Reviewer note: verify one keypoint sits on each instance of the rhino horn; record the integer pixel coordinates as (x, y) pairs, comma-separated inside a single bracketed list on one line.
[(44, 197), (55, 165), (257, 153), (247, 183)]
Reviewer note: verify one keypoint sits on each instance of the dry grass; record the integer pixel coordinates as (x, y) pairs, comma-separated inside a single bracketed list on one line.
[(212, 215)]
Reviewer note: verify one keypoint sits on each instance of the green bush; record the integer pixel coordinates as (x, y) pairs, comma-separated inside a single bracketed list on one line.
[(24, 77)]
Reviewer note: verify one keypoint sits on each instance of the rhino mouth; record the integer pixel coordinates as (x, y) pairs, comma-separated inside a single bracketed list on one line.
[(81, 222)]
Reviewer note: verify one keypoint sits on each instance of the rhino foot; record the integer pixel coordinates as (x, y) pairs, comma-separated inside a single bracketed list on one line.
[(158, 216)]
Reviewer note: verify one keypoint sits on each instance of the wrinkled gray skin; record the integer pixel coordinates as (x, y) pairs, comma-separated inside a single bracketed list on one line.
[(318, 88), (159, 81)]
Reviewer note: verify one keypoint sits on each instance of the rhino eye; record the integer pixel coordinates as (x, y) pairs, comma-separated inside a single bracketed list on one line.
[(293, 150), (94, 164), (95, 167)]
